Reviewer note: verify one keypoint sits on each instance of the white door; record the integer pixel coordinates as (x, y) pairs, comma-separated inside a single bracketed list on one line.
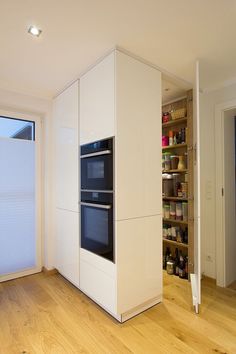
[(196, 276), (19, 196)]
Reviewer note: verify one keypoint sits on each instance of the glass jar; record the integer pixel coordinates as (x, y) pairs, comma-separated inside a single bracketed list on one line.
[(179, 212), (167, 185)]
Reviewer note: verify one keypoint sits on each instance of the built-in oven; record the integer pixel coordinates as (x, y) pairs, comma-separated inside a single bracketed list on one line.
[(97, 223), (97, 165)]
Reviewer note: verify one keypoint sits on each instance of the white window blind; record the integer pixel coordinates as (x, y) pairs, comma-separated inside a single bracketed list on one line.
[(17, 205)]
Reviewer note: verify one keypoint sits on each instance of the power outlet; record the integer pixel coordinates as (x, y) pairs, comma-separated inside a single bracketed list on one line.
[(208, 190)]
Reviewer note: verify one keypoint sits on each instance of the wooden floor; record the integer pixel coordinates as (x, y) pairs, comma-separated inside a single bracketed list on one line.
[(46, 314)]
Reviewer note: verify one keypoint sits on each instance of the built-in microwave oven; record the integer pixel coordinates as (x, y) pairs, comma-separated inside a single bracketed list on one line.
[(97, 166)]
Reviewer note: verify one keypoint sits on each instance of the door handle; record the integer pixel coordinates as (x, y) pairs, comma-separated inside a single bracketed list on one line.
[(99, 153), (93, 205)]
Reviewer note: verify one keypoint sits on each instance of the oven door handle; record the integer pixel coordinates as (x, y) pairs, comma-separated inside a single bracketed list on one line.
[(99, 153), (93, 205)]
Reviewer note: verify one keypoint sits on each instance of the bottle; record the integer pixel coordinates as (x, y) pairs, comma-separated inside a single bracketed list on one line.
[(166, 257), (171, 140), (176, 260), (181, 266), (170, 265), (182, 135), (185, 236), (175, 139), (186, 267)]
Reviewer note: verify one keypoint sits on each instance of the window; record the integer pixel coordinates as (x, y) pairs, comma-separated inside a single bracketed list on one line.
[(17, 129)]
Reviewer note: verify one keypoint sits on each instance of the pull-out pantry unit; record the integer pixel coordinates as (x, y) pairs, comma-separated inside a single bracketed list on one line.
[(120, 98)]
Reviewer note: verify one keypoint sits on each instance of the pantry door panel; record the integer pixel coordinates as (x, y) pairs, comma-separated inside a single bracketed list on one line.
[(196, 276)]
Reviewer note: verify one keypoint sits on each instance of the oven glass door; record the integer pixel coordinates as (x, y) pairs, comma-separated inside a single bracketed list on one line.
[(97, 172), (97, 229)]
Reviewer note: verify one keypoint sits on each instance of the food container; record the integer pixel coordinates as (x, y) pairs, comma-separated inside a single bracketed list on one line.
[(178, 113), (166, 211), (185, 211), (171, 136), (167, 163), (165, 117), (165, 140), (176, 183), (169, 236), (179, 212), (167, 185), (172, 210), (179, 235), (174, 160), (184, 188), (165, 231), (181, 164), (170, 267), (173, 233)]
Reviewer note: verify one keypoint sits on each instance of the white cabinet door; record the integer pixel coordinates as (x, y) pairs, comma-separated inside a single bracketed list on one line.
[(66, 129), (67, 244), (138, 139), (97, 101), (98, 279), (139, 260)]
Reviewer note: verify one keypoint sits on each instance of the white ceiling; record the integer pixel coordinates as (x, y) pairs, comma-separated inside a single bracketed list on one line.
[(169, 33)]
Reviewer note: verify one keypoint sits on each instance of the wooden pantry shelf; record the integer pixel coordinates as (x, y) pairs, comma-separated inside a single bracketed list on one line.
[(175, 171), (179, 244), (174, 122), (175, 221), (176, 146), (175, 198)]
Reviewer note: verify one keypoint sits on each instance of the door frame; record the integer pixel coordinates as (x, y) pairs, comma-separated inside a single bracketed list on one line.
[(220, 109), (38, 191)]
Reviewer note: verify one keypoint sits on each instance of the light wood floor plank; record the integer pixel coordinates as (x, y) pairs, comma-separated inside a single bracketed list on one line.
[(47, 314)]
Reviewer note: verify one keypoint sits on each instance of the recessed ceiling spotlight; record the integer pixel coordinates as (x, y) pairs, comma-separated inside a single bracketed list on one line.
[(34, 31)]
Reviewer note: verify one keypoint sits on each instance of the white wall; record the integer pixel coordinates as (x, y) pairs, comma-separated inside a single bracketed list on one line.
[(21, 103), (208, 101)]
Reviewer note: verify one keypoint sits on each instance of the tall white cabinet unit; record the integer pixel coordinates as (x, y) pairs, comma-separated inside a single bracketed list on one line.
[(121, 97), (66, 182)]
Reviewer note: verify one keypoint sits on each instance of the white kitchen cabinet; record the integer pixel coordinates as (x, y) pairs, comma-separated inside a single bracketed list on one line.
[(98, 280), (67, 244), (66, 182), (121, 97), (66, 152), (138, 128), (97, 101)]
